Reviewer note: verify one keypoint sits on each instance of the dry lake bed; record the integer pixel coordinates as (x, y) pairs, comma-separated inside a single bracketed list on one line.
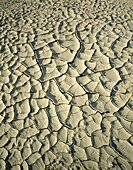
[(66, 85)]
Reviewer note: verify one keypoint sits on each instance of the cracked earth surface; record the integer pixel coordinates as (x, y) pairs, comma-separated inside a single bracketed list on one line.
[(66, 85)]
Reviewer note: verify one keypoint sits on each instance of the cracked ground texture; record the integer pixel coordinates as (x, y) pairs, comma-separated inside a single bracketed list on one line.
[(66, 85)]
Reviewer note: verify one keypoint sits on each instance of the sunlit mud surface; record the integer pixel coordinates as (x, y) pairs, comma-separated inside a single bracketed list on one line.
[(66, 85)]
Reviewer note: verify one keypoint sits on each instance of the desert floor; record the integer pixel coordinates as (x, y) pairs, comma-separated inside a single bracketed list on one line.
[(66, 85)]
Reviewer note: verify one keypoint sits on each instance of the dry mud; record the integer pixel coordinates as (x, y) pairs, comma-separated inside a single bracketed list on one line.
[(66, 85)]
